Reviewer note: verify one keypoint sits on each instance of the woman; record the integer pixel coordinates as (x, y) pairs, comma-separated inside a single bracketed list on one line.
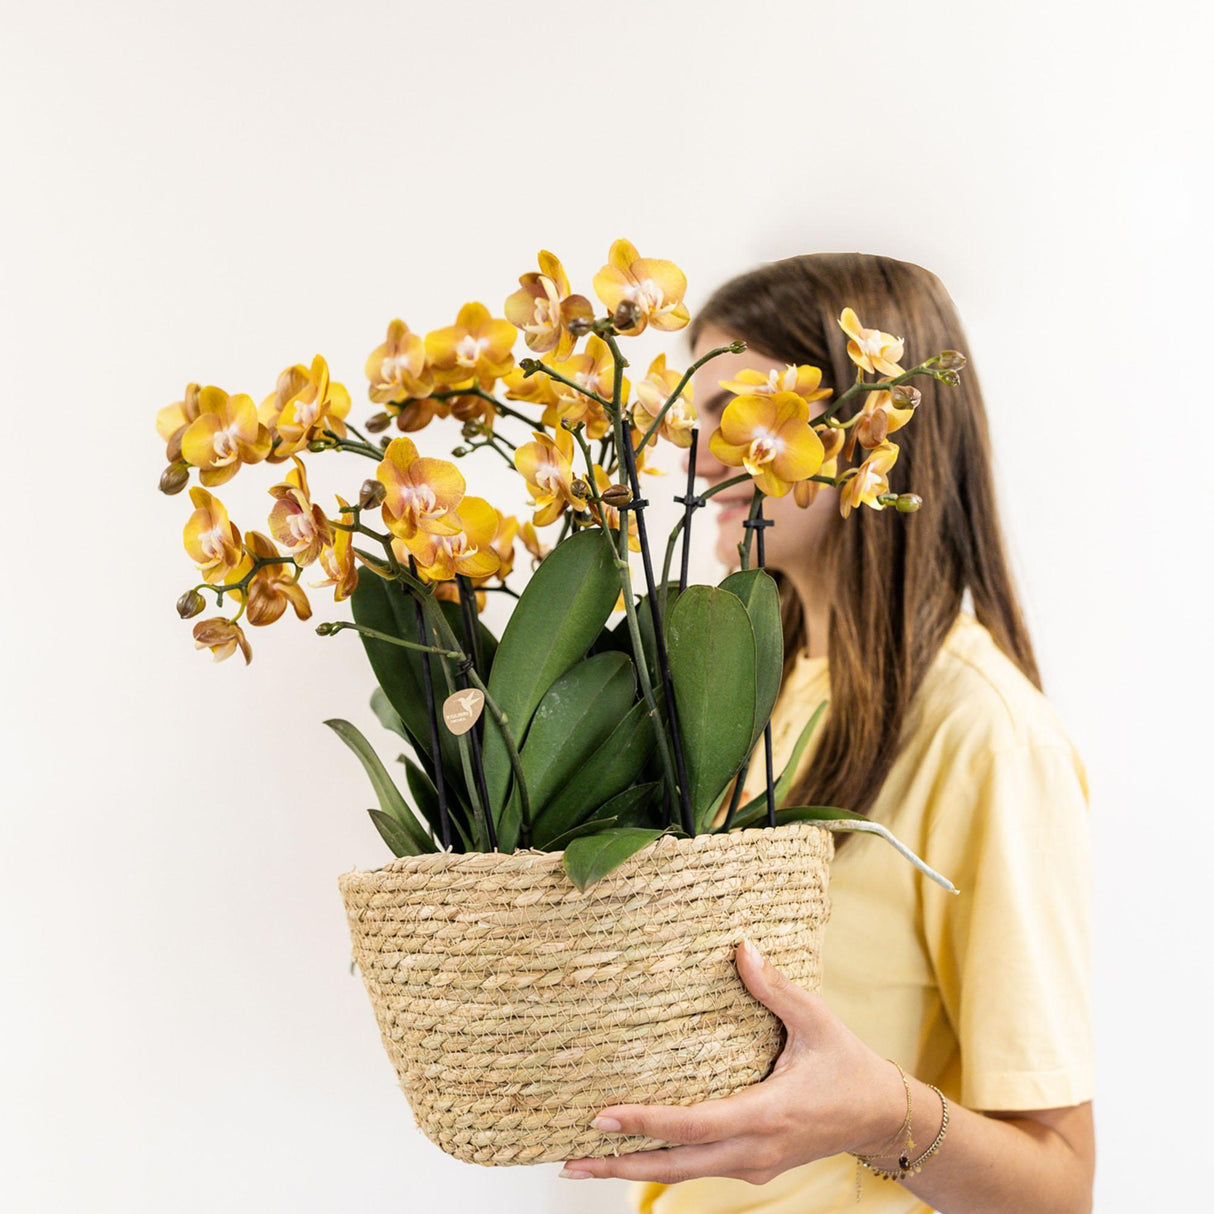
[(937, 727)]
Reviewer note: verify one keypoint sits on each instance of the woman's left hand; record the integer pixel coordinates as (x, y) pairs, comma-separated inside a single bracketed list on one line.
[(828, 1093)]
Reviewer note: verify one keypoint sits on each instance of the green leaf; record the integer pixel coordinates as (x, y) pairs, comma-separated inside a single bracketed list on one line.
[(757, 590), (393, 834), (388, 717), (559, 614), (576, 716), (845, 820), (390, 800), (591, 857), (425, 797), (632, 806), (711, 645), (756, 809), (607, 772), (593, 826), (620, 638)]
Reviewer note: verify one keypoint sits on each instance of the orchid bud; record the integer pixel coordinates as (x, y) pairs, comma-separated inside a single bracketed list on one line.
[(327, 630), (384, 441), (174, 478), (579, 326), (579, 488), (904, 396), (948, 377), (318, 444), (371, 493), (377, 423), (908, 503), (625, 315), (190, 604), (616, 495), (951, 360)]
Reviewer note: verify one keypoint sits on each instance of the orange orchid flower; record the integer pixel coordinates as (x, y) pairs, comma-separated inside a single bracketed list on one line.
[(222, 637), (224, 435), (804, 380), (878, 418), (468, 549), (397, 370), (652, 393), (212, 539), (769, 436), (337, 559), (302, 406), (865, 483), (421, 492), (832, 438), (652, 286), (296, 522), (547, 467), (476, 349), (273, 585), (542, 308), (870, 349), (173, 420)]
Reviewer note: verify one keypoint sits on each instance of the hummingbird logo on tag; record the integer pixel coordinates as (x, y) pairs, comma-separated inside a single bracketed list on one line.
[(461, 709)]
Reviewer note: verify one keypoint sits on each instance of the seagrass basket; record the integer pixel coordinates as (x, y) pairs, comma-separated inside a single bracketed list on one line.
[(514, 1006)]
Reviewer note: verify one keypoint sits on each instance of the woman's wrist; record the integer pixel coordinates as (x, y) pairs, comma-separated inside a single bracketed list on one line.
[(882, 1124), (927, 1113)]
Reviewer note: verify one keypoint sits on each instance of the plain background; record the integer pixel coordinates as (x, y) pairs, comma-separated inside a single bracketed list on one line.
[(212, 192)]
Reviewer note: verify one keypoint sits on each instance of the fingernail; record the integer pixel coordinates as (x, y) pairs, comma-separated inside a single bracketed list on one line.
[(607, 1123), (573, 1174), (751, 950)]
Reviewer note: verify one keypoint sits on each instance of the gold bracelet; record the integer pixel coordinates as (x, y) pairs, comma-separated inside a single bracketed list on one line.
[(905, 1166), (904, 1128)]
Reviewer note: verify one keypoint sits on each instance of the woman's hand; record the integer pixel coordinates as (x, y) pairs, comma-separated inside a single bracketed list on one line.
[(828, 1093)]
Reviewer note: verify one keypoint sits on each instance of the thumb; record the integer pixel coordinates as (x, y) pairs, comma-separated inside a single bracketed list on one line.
[(794, 1005)]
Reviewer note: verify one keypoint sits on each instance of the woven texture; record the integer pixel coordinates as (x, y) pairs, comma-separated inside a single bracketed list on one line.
[(514, 1006)]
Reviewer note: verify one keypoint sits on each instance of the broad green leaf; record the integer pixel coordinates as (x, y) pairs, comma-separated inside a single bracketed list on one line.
[(592, 857), (575, 717), (756, 809), (711, 645), (425, 797), (634, 806), (845, 820), (388, 717), (557, 617), (610, 770), (393, 834), (757, 590), (390, 800), (620, 638), (593, 826)]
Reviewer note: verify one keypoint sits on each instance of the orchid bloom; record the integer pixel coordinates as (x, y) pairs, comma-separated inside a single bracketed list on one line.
[(865, 483), (273, 585), (337, 559), (296, 522), (593, 370), (421, 492), (542, 308), (769, 436), (804, 380), (302, 406), (211, 538), (832, 438), (476, 349), (652, 286), (397, 370), (547, 467), (173, 420), (870, 349), (653, 392), (535, 389), (222, 638), (878, 418), (468, 549), (224, 435)]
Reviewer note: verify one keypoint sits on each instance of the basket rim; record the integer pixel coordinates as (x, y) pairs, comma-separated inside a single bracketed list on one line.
[(537, 862)]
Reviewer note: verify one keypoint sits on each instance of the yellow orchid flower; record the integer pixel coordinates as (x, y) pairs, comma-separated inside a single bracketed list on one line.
[(503, 545), (224, 435), (594, 370), (652, 393), (302, 406), (296, 522), (654, 289), (212, 539), (222, 638), (468, 549), (870, 349), (865, 483), (832, 438), (547, 466), (397, 369), (421, 492), (878, 418), (337, 559), (173, 420), (602, 480), (531, 541), (804, 380), (769, 436), (476, 348), (542, 308), (535, 389), (273, 586)]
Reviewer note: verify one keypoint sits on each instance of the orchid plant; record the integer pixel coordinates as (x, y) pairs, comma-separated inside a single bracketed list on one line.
[(566, 734)]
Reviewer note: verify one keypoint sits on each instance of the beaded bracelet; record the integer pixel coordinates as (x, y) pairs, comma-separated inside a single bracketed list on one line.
[(905, 1166)]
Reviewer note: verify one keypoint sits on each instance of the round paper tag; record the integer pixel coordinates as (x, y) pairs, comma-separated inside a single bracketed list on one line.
[(461, 709)]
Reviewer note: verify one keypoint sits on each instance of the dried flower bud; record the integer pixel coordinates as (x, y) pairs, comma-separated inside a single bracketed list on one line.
[(625, 315), (951, 360), (579, 488), (371, 492), (579, 326), (174, 478), (384, 441), (190, 604), (616, 495), (377, 423), (948, 377), (908, 503), (471, 428), (904, 396)]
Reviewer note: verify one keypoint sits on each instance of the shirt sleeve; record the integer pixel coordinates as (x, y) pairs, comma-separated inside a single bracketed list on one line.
[(1012, 951)]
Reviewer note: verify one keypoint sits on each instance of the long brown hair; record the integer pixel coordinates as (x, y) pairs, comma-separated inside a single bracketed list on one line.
[(896, 580)]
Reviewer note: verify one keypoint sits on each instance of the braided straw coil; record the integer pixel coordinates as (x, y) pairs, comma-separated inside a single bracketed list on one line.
[(514, 1006)]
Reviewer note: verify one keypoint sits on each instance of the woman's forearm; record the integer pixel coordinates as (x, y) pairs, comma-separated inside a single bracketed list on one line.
[(989, 1165)]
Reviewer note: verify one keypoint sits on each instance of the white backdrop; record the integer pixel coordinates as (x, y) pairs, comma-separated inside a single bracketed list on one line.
[(213, 191)]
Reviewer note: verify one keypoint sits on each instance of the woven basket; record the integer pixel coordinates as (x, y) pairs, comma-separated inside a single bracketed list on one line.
[(514, 1006)]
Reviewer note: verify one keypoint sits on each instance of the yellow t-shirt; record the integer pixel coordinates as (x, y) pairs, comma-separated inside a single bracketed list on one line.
[(985, 993)]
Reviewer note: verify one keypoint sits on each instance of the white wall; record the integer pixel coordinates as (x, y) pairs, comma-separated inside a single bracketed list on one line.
[(213, 191)]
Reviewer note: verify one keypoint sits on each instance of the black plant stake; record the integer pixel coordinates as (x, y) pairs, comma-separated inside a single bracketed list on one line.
[(759, 523), (440, 785), (690, 501), (638, 504), (468, 611)]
